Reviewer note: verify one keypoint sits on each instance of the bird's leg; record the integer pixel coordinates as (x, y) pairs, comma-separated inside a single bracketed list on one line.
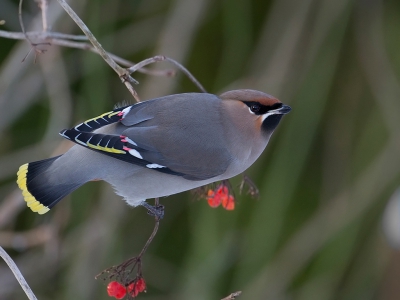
[(251, 186), (156, 210), (122, 272)]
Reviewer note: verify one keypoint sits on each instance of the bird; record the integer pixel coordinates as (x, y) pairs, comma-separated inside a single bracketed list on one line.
[(158, 147)]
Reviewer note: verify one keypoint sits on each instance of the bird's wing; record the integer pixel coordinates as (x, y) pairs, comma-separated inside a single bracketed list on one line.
[(114, 116), (189, 143), (114, 146)]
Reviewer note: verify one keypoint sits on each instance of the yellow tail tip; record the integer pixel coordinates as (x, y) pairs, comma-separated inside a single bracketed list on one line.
[(30, 200)]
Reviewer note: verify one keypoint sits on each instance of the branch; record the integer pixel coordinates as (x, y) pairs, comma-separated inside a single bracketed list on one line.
[(68, 40), (21, 21), (41, 35), (43, 5), (28, 291), (187, 73), (232, 296), (33, 45), (123, 271), (122, 73), (170, 60)]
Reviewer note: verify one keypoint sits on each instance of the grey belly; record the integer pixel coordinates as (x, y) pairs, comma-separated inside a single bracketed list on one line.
[(140, 184), (135, 184)]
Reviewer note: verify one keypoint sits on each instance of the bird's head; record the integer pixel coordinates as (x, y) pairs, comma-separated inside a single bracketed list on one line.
[(250, 105)]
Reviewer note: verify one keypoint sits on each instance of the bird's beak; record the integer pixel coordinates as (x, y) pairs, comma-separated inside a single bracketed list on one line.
[(285, 109)]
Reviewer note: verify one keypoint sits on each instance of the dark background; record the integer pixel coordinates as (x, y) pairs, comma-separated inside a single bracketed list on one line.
[(325, 178)]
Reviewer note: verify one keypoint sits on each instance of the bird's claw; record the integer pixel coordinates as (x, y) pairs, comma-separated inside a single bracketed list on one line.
[(155, 211)]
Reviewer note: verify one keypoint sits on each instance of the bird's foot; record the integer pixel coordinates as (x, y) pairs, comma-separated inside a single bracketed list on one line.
[(250, 186), (155, 211)]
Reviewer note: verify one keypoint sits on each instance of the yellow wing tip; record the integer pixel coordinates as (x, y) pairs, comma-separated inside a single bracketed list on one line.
[(30, 200)]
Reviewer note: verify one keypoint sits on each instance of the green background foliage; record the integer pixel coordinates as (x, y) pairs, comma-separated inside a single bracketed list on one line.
[(324, 180)]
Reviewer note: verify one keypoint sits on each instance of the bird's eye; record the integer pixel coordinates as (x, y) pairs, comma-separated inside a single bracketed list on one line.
[(255, 107)]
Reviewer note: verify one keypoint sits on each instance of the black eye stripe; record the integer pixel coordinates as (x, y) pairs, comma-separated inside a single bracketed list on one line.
[(263, 109)]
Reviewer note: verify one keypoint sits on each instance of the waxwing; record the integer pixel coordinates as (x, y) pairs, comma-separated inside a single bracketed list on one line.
[(158, 147)]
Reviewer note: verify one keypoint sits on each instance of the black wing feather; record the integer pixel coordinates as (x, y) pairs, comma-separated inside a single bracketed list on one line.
[(113, 145)]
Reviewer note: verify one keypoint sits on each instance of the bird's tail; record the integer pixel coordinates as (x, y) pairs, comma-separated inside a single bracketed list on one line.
[(40, 189)]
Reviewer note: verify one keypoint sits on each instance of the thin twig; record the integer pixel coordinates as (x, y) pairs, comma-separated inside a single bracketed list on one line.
[(13, 267), (120, 271), (21, 21), (41, 35), (130, 88), (122, 73), (33, 45), (127, 63), (187, 73), (43, 5), (62, 39), (232, 296), (159, 58), (153, 234), (44, 8), (145, 63)]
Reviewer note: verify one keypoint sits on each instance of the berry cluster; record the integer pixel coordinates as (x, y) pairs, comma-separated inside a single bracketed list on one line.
[(220, 196), (119, 291)]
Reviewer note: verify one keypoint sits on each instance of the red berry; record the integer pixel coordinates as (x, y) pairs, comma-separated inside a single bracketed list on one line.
[(136, 287), (214, 200), (115, 289), (228, 203), (141, 285), (223, 191), (132, 290)]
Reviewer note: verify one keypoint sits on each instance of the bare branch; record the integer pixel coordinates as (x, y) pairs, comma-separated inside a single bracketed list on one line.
[(33, 45), (13, 267), (187, 73), (145, 63), (122, 73), (232, 296), (43, 5), (21, 21), (124, 270), (67, 40), (130, 88), (153, 234), (57, 38), (127, 63), (41, 35), (159, 58)]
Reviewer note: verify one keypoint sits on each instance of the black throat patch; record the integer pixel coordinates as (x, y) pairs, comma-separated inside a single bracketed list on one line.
[(270, 123)]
